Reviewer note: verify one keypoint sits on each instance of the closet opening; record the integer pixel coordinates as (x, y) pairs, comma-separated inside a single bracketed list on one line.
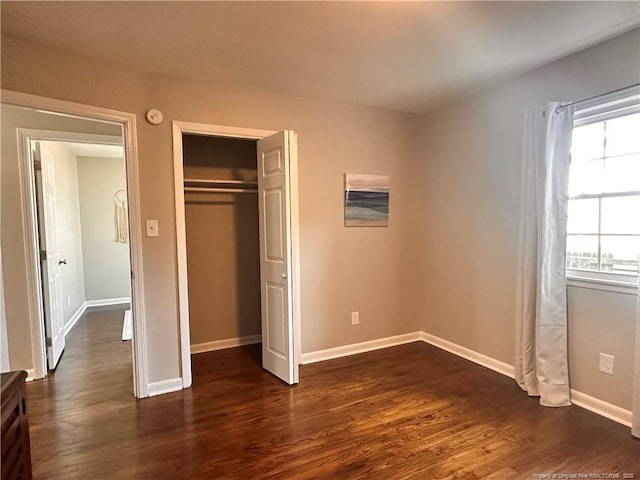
[(236, 199), (222, 242)]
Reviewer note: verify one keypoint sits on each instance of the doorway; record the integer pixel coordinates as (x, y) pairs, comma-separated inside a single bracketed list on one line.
[(275, 167), (81, 201), (59, 114)]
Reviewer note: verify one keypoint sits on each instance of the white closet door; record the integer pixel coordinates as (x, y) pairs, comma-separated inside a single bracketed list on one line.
[(275, 157)]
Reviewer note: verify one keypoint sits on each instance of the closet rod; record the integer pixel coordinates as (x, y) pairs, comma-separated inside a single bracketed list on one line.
[(220, 182), (220, 190)]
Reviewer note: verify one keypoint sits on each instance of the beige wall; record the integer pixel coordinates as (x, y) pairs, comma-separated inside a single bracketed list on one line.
[(447, 262), (601, 321), (460, 262), (106, 262), (341, 269), (223, 260), (69, 232), (12, 242)]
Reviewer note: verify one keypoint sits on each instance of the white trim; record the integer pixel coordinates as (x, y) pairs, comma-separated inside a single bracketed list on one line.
[(30, 375), (605, 107), (74, 318), (362, 347), (164, 386), (602, 284), (178, 129), (295, 252), (128, 123), (61, 136), (32, 257), (471, 355), (103, 302), (5, 364), (92, 303), (226, 343), (221, 130), (595, 405), (600, 407), (181, 249)]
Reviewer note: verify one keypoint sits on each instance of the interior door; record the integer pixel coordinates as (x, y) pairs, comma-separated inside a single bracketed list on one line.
[(276, 155), (50, 256)]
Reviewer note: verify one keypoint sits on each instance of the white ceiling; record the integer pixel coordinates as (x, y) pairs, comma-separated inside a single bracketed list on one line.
[(95, 150), (407, 56)]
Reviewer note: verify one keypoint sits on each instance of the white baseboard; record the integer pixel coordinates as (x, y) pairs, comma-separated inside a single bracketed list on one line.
[(595, 405), (103, 302), (92, 303), (30, 375), (355, 348), (471, 355), (226, 343), (165, 386), (74, 318)]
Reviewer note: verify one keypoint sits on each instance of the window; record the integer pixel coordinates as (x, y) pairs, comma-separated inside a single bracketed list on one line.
[(603, 228)]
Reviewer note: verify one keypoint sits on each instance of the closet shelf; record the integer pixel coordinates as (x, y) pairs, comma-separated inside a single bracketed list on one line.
[(193, 182), (220, 190), (219, 186)]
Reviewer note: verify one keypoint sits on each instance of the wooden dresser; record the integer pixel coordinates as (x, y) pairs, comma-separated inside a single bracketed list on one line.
[(16, 452)]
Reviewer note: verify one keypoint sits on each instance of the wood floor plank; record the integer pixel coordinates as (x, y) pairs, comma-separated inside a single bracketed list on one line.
[(407, 412)]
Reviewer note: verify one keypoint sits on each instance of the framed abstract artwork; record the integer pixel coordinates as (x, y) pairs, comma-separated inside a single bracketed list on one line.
[(366, 200)]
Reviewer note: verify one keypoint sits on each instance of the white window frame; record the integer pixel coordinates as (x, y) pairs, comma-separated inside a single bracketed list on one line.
[(607, 107)]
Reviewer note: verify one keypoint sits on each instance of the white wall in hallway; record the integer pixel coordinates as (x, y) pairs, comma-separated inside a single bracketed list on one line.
[(106, 262)]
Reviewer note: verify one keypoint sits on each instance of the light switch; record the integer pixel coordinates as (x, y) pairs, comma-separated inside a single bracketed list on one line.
[(152, 228)]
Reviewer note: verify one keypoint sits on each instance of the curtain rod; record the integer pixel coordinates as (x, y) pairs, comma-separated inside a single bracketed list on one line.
[(560, 108)]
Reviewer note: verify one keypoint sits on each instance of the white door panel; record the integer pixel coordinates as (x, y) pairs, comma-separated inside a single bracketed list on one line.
[(276, 309), (278, 349), (274, 230)]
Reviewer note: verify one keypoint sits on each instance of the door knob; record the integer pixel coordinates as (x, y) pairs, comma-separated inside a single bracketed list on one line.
[(63, 261), (284, 275)]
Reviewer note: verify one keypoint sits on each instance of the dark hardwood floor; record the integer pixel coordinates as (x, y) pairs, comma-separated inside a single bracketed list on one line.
[(408, 412)]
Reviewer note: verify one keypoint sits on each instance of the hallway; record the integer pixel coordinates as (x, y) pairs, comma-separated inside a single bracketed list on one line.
[(69, 410)]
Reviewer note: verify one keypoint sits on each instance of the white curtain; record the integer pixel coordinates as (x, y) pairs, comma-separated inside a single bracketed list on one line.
[(541, 360), (635, 427)]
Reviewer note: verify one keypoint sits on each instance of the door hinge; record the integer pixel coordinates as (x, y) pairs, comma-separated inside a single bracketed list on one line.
[(48, 342), (37, 165), (43, 255), (132, 275)]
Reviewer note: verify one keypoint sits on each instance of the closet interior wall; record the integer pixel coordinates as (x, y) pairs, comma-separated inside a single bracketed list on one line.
[(223, 261)]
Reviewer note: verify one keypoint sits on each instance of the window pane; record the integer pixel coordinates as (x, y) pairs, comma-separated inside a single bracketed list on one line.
[(621, 215), (586, 177), (587, 142), (623, 136), (622, 174), (620, 254), (583, 216), (582, 252)]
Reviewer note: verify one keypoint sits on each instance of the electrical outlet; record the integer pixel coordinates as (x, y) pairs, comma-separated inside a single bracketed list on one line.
[(606, 363), (355, 318)]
